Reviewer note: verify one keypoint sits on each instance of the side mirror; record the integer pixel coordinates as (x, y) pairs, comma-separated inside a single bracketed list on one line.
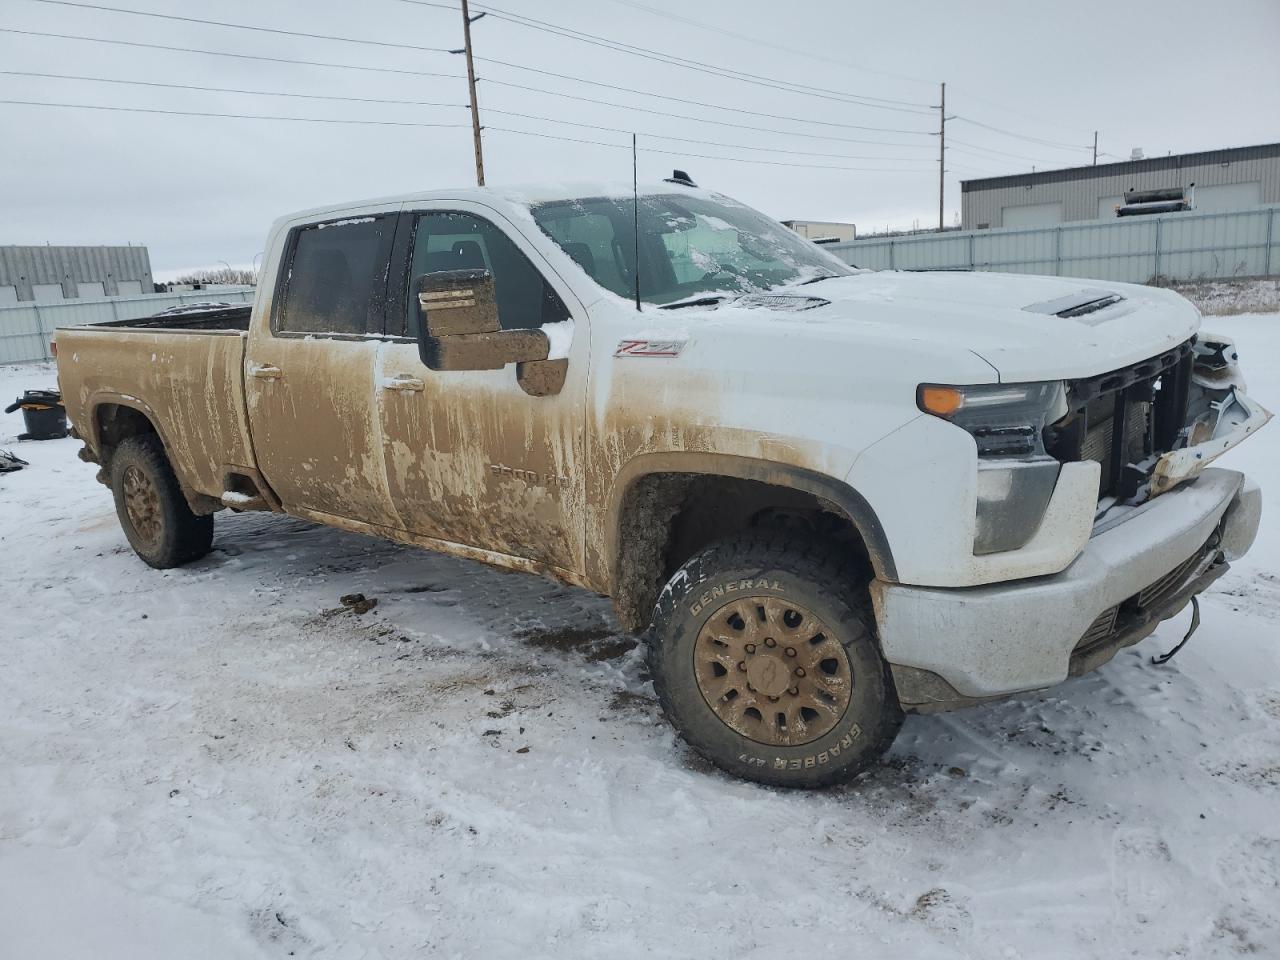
[(457, 302), (460, 331)]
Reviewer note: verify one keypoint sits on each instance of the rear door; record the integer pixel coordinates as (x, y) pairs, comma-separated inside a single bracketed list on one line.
[(471, 458), (309, 377)]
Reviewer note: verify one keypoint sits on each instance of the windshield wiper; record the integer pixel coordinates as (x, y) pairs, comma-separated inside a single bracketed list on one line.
[(694, 302), (821, 276)]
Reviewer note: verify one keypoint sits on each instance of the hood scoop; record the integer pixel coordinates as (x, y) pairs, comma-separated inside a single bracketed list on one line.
[(1077, 305), (780, 301)]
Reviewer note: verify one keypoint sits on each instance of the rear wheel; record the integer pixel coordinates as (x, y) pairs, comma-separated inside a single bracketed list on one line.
[(763, 655), (153, 512)]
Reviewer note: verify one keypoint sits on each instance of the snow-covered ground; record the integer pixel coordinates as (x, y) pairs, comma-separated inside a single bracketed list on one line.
[(1225, 297), (215, 762)]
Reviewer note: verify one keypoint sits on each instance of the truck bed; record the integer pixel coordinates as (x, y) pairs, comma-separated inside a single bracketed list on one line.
[(183, 370), (213, 316)]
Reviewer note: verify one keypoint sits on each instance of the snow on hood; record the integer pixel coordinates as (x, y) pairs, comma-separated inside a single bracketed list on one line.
[(986, 313)]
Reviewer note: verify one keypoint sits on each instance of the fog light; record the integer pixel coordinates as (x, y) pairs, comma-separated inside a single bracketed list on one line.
[(1012, 499)]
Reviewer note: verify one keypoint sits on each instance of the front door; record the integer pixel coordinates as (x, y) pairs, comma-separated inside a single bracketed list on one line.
[(309, 377), (471, 458)]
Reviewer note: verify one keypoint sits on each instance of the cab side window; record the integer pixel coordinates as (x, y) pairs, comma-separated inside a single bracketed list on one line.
[(336, 281), (590, 240), (461, 241)]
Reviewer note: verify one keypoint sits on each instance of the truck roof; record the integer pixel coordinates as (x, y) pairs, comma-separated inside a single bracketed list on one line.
[(526, 194)]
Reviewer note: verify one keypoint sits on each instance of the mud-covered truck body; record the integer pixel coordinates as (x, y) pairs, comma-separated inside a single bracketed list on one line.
[(825, 495)]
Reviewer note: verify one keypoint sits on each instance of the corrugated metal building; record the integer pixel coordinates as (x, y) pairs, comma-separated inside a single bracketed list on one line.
[(1232, 179), (823, 229), (54, 274)]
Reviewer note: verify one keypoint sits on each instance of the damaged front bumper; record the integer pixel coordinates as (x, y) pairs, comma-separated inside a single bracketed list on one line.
[(954, 647), (1230, 418)]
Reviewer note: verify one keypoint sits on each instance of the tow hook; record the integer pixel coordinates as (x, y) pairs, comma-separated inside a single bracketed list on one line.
[(1195, 624)]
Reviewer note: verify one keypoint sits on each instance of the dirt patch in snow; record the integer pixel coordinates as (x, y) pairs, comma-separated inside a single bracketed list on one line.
[(593, 644)]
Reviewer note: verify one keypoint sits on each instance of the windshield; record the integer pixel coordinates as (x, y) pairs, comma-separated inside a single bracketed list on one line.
[(689, 245)]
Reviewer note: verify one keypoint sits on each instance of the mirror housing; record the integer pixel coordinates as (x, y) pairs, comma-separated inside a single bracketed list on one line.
[(455, 302), (460, 328)]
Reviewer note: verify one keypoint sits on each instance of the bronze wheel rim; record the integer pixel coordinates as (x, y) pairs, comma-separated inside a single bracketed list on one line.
[(142, 503), (772, 671)]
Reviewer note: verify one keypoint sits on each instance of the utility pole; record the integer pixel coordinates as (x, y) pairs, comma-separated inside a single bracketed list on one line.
[(467, 20), (1095, 148), (942, 154)]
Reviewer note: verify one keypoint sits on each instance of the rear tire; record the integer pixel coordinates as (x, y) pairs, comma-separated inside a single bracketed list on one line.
[(153, 512), (764, 657)]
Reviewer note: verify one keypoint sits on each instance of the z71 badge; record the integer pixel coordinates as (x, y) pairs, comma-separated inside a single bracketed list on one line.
[(649, 348)]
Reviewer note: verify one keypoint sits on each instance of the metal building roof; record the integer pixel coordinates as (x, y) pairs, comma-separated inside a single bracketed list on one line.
[(1263, 151)]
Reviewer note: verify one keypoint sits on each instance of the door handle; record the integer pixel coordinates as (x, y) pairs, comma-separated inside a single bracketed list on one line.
[(266, 372), (404, 383)]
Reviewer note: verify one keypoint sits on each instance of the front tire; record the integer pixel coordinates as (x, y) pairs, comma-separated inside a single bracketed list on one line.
[(153, 512), (764, 658)]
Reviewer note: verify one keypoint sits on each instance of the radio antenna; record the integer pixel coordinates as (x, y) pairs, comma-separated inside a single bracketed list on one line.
[(635, 215)]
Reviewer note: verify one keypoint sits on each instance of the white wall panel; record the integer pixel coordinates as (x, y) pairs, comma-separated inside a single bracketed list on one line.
[(1180, 246)]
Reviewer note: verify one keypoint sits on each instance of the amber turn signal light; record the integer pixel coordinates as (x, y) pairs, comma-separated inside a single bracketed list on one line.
[(940, 401)]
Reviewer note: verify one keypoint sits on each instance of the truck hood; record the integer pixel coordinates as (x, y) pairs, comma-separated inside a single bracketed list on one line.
[(1027, 328)]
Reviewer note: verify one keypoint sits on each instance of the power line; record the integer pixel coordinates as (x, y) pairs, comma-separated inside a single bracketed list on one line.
[(431, 103), (231, 116), (596, 40), (516, 86), (697, 156), (456, 126), (545, 25), (766, 44), (497, 13), (237, 56), (520, 20), (711, 69), (965, 147), (665, 14), (977, 150), (773, 83), (1018, 136), (695, 103), (259, 93), (240, 26), (566, 31), (720, 123), (956, 166), (434, 74), (1005, 108), (705, 143), (811, 55)]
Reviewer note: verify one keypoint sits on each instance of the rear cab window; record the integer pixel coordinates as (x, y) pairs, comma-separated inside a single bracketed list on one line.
[(337, 276)]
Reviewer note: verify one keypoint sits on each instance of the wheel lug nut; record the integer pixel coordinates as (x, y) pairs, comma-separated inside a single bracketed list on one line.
[(773, 699), (770, 642), (791, 651), (794, 691), (799, 671), (751, 648), (742, 667)]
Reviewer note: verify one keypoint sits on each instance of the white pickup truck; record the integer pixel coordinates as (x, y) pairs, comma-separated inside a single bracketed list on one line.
[(827, 496)]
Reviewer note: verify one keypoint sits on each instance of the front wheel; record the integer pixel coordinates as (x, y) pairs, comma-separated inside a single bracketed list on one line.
[(153, 512), (764, 657)]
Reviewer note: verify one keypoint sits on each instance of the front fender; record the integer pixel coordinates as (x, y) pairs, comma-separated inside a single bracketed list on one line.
[(837, 492)]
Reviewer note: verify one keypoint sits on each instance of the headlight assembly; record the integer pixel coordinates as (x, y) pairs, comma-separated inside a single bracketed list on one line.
[(1006, 420)]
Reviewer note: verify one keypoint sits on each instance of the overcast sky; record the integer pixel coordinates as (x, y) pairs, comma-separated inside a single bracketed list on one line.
[(1164, 75)]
